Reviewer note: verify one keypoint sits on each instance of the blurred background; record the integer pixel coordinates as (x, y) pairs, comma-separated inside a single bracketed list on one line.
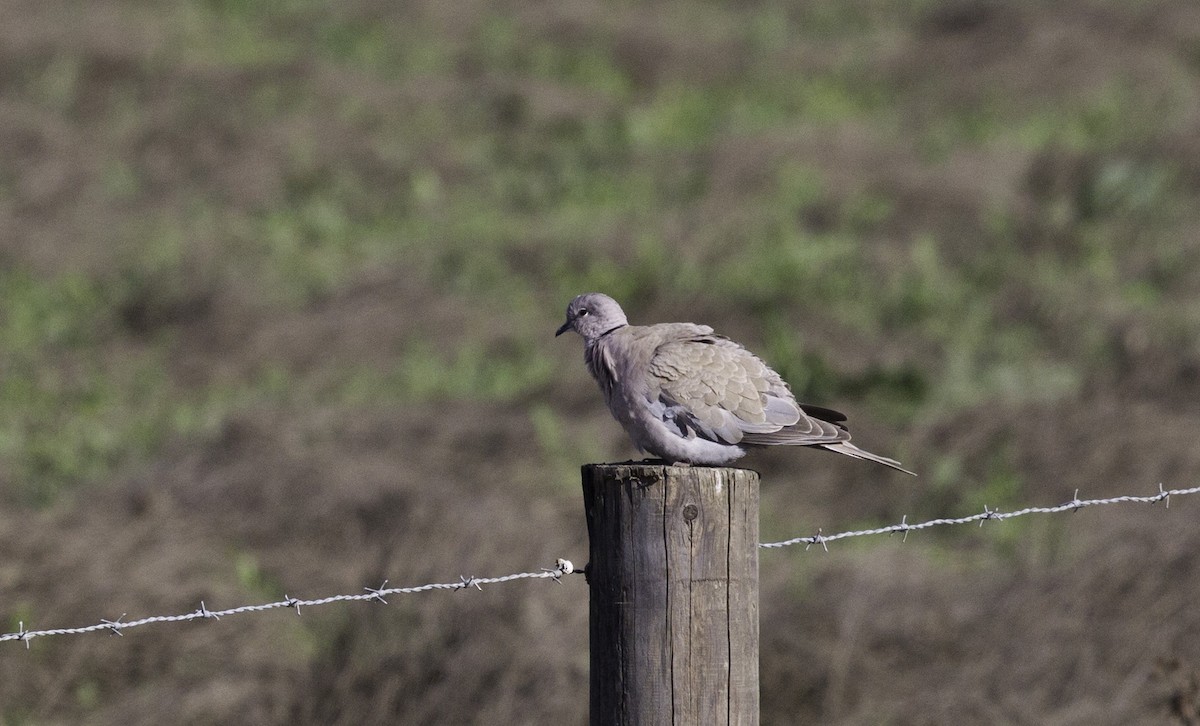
[(279, 281)]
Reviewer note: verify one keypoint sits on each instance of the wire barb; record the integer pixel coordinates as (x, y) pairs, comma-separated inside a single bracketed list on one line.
[(466, 582), (376, 593), (115, 625)]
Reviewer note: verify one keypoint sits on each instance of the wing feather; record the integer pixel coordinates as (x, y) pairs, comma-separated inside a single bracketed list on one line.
[(718, 390)]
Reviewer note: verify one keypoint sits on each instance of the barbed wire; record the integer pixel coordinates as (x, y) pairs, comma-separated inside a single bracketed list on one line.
[(115, 627), (565, 567), (1163, 495)]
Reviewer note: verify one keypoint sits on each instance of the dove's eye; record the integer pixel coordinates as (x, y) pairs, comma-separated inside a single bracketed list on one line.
[(583, 312)]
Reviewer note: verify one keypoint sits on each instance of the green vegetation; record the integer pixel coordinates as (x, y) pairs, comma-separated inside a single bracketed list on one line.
[(576, 163)]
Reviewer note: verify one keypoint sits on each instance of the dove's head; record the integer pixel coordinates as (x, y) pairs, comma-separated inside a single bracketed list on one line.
[(593, 314)]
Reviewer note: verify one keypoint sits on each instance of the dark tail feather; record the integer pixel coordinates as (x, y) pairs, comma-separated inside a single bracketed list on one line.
[(849, 449), (824, 414)]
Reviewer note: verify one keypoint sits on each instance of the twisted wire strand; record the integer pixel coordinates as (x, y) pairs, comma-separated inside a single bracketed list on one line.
[(565, 567), (115, 627), (1163, 495)]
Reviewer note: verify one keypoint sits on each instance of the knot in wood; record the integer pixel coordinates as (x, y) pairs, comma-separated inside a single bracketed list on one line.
[(690, 512)]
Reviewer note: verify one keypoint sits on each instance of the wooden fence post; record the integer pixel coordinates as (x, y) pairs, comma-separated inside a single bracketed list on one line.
[(674, 594)]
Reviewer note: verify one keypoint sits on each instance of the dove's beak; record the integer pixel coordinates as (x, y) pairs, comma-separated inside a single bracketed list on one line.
[(562, 329)]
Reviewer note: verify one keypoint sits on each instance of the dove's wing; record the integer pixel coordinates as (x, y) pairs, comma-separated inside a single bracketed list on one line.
[(708, 386)]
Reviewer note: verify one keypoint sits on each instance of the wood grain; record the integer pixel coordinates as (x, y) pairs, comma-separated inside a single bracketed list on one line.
[(674, 594)]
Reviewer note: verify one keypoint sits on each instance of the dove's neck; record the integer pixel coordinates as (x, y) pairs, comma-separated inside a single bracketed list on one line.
[(605, 334), (618, 326)]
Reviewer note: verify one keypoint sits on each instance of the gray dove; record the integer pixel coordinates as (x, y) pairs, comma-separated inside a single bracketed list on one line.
[(687, 395)]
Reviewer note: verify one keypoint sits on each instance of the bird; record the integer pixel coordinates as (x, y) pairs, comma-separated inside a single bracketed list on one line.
[(691, 397)]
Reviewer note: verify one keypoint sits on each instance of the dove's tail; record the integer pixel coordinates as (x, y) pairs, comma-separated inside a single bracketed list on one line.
[(849, 449)]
